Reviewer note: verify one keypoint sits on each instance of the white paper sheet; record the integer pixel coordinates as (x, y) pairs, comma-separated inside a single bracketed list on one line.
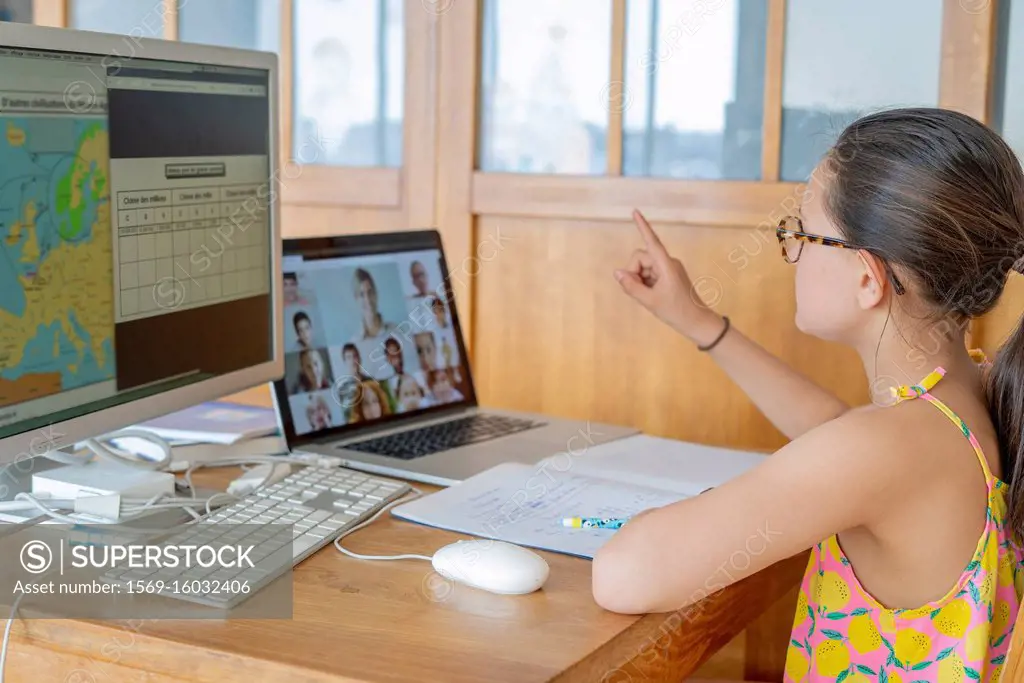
[(526, 504)]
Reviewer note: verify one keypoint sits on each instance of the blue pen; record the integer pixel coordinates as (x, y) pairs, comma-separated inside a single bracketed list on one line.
[(594, 522)]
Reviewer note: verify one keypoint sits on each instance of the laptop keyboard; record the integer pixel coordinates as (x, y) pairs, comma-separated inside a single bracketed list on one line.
[(416, 443)]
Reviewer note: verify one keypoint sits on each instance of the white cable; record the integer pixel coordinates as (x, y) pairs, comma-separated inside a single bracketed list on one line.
[(251, 460), (101, 448), (130, 508), (42, 507), (19, 505), (218, 495), (7, 635), (416, 493)]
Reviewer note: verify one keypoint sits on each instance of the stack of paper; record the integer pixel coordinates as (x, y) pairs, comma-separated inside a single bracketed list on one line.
[(216, 430)]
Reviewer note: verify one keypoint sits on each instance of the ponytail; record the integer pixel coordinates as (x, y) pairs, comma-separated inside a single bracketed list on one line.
[(1006, 404)]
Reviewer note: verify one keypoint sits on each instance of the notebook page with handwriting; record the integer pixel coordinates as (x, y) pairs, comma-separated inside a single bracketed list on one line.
[(525, 505)]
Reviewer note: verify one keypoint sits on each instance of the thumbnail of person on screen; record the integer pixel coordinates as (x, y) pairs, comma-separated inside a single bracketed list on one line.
[(318, 413), (293, 296), (440, 383), (313, 372), (364, 289), (420, 280), (426, 351), (396, 363), (411, 395), (371, 405), (352, 376), (303, 330), (393, 354), (352, 362), (440, 314), (445, 334)]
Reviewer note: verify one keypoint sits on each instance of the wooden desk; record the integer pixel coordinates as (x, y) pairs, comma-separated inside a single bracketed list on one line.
[(399, 621)]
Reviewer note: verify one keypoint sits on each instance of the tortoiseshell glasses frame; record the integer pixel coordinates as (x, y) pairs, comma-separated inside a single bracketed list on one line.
[(792, 237)]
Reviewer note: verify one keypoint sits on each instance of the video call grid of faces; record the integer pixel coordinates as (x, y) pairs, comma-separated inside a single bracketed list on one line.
[(367, 338)]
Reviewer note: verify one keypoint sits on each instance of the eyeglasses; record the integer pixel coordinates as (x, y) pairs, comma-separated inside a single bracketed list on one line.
[(792, 239)]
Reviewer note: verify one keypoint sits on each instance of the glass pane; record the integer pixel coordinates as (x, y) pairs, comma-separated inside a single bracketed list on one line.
[(16, 10), (544, 86), (248, 24), (1008, 109), (139, 18), (349, 76), (694, 97), (842, 62)]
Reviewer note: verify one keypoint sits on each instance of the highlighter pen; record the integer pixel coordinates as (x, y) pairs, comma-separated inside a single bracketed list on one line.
[(593, 523)]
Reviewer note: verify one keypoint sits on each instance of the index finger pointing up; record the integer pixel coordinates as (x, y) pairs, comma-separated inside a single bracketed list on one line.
[(654, 245)]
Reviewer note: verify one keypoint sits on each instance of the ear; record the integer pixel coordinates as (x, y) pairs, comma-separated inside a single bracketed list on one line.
[(872, 283)]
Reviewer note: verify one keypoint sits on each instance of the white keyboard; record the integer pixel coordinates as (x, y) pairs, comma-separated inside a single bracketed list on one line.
[(318, 504)]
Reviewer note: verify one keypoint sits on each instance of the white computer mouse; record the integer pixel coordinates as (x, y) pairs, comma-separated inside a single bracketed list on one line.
[(493, 566)]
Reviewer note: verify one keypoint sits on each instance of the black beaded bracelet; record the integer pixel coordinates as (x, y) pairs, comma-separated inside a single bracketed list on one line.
[(719, 338)]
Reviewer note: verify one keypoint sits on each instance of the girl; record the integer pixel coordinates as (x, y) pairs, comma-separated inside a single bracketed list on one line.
[(410, 395), (372, 403), (312, 371), (912, 506)]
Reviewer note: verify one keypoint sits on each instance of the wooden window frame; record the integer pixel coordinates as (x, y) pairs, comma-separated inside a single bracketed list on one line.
[(51, 13), (339, 186), (965, 84)]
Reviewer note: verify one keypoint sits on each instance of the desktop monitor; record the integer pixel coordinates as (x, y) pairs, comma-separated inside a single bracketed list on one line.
[(139, 239)]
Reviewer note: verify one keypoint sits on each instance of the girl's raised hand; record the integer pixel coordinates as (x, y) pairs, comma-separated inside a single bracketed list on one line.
[(661, 284)]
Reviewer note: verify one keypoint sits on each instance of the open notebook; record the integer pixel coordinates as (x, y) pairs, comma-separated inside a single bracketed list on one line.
[(525, 504)]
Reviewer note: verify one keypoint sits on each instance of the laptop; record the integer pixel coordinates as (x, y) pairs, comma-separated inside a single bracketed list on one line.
[(376, 371)]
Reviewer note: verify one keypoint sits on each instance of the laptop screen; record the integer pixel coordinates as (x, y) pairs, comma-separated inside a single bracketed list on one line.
[(369, 338)]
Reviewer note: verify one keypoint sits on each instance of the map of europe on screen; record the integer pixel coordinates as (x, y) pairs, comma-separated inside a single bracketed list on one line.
[(56, 277)]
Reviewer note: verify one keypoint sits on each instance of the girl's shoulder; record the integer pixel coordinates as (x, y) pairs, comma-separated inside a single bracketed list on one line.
[(915, 438), (881, 442)]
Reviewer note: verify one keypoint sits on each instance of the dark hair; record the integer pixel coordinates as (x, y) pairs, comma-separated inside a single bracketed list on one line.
[(391, 341), (299, 317), (290, 276), (354, 349), (939, 198), (360, 276)]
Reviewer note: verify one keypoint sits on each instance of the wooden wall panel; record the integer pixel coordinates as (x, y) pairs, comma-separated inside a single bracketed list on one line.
[(556, 334), (457, 56), (968, 47), (992, 330), (299, 220)]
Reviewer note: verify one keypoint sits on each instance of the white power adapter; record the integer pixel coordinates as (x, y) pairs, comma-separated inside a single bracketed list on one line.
[(102, 478)]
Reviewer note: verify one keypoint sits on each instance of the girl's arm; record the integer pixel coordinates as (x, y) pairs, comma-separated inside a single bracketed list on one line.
[(792, 402), (837, 477), (661, 284)]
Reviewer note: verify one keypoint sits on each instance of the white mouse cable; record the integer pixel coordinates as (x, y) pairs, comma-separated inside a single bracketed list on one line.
[(416, 493), (7, 635)]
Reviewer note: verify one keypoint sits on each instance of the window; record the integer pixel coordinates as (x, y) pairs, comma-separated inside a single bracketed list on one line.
[(1008, 105), (349, 77), (248, 24), (16, 10), (832, 74), (139, 18), (544, 78), (694, 98)]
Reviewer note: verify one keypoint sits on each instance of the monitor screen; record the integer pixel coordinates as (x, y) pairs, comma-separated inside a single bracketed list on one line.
[(368, 338), (135, 250)]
